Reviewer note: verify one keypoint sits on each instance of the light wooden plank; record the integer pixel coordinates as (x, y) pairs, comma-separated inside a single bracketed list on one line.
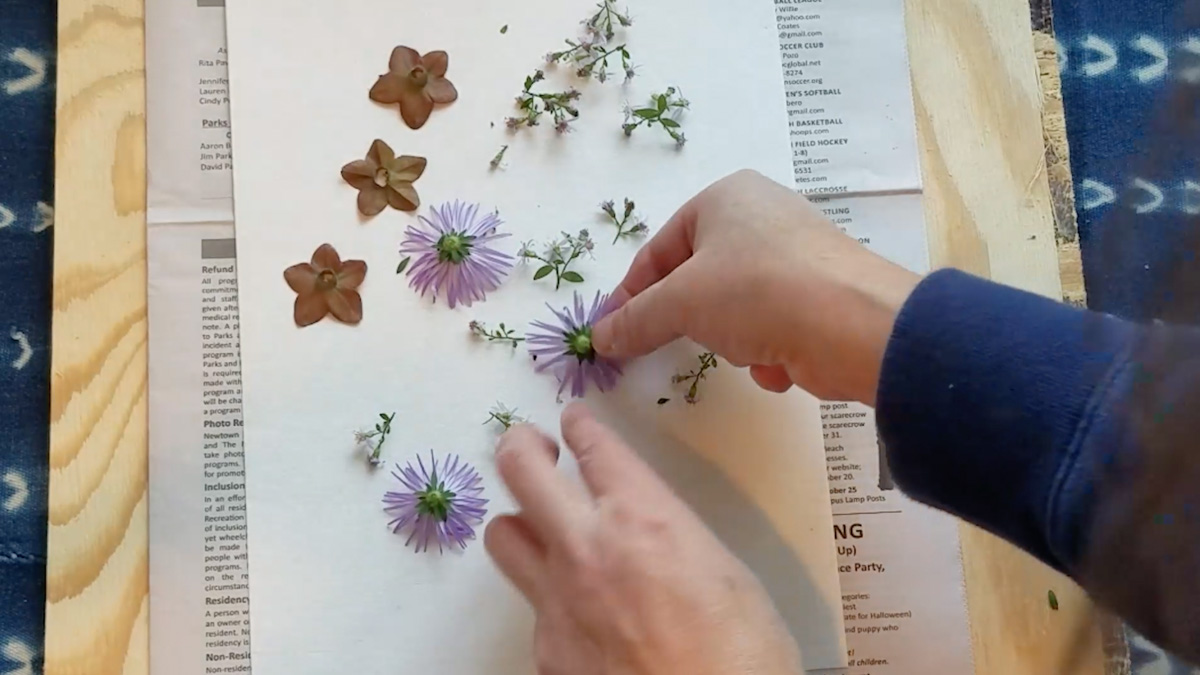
[(989, 212), (96, 580)]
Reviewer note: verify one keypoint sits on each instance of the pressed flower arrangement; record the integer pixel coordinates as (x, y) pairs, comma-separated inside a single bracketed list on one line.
[(453, 252)]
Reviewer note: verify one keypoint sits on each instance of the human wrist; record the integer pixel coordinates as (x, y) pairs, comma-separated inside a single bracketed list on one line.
[(842, 323), (881, 295)]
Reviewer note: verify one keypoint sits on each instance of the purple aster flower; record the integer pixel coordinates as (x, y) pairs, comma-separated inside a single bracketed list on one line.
[(441, 503), (566, 348), (453, 254)]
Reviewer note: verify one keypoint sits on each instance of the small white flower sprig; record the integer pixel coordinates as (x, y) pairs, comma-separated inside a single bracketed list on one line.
[(502, 334), (693, 378), (664, 110), (590, 54), (504, 416), (372, 441), (558, 257), (629, 224)]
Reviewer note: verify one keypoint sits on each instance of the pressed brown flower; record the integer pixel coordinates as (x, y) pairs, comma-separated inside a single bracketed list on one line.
[(326, 285), (415, 82), (383, 178)]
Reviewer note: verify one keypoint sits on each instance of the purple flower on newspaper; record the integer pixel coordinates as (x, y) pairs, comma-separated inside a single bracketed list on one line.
[(566, 348), (440, 503), (453, 254)]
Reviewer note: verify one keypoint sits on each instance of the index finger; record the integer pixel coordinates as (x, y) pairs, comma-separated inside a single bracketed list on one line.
[(606, 463), (549, 502)]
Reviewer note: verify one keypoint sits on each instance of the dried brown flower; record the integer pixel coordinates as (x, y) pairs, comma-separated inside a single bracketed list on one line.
[(415, 82), (383, 178), (326, 285)]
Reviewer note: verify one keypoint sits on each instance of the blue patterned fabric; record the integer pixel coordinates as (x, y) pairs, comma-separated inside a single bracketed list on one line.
[(1131, 90), (1125, 68), (26, 240)]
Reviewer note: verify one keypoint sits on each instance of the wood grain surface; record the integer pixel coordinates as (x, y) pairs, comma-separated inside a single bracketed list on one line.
[(989, 211), (96, 585)]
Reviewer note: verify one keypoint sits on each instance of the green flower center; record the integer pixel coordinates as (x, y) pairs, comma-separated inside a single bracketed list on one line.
[(454, 247), (435, 500), (326, 280), (579, 344), (419, 76)]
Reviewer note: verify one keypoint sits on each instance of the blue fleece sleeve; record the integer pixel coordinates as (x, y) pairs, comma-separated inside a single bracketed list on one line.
[(982, 395), (1072, 434)]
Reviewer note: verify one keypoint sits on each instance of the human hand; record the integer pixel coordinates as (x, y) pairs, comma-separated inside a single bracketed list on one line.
[(752, 271), (623, 577)]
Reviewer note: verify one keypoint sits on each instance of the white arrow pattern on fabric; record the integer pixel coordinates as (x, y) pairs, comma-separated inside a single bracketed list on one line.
[(18, 488), (22, 359), (1191, 198), (45, 217), (37, 72), (1191, 45), (7, 217), (1156, 196), (1107, 56), (1157, 51), (1095, 194), (1063, 58), (19, 653)]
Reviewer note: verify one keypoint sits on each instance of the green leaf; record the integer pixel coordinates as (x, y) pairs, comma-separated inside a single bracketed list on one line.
[(504, 29), (528, 83), (573, 277), (646, 113), (669, 123), (661, 401), (403, 265), (382, 416), (542, 272), (1053, 600), (662, 103)]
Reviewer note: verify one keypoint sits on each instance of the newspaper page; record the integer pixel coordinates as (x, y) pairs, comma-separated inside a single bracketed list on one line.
[(855, 154), (199, 587)]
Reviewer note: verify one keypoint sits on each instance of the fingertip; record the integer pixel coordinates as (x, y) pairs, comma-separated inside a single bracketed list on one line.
[(771, 378), (604, 337), (515, 549), (574, 414), (519, 436)]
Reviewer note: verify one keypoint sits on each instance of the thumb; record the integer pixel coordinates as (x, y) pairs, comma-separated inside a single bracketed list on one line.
[(643, 323)]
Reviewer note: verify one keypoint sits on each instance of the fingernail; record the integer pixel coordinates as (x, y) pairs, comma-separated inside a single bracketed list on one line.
[(603, 338)]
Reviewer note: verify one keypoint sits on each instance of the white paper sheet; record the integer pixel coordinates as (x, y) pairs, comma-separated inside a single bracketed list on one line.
[(299, 113)]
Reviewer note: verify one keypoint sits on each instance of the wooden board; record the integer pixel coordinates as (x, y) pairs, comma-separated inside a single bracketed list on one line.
[(988, 204), (989, 211)]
